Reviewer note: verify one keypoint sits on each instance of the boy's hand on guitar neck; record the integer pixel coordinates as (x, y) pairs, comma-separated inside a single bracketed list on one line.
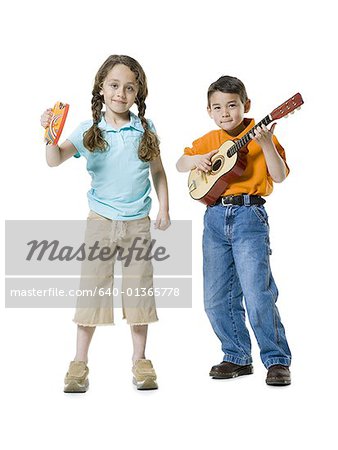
[(262, 135), (203, 162)]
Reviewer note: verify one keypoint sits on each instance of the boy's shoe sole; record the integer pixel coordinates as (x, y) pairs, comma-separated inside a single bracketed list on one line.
[(75, 387), (278, 382), (145, 385)]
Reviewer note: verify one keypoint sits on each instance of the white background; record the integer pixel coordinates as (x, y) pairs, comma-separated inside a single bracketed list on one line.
[(51, 51)]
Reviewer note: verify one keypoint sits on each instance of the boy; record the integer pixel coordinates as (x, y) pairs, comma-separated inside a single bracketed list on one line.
[(236, 240)]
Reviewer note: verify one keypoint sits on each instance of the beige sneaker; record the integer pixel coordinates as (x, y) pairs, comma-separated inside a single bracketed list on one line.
[(76, 379), (144, 375)]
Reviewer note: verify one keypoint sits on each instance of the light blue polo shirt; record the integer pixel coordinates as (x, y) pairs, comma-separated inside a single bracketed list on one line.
[(120, 185)]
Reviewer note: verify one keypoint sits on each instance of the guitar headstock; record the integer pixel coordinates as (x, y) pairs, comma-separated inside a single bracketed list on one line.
[(287, 107)]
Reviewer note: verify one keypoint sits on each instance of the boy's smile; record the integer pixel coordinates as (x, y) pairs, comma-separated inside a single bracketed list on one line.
[(227, 110)]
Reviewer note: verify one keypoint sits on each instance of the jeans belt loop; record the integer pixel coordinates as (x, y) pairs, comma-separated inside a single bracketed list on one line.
[(246, 199)]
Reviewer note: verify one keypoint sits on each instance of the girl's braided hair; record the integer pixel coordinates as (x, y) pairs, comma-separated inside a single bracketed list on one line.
[(93, 137)]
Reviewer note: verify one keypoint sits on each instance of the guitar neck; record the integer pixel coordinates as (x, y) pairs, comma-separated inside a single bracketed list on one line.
[(246, 138), (283, 110)]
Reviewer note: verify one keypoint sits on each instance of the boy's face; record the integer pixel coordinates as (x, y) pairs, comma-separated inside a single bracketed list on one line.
[(228, 111)]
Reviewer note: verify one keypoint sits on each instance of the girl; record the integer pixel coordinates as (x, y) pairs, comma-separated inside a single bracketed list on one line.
[(119, 147)]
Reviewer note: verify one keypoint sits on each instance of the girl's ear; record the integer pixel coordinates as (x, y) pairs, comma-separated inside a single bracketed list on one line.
[(247, 106)]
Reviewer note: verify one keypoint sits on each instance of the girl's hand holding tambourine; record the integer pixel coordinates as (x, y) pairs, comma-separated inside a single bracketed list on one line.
[(46, 118)]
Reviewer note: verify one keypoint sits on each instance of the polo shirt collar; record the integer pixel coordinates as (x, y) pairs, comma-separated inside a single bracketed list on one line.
[(134, 122)]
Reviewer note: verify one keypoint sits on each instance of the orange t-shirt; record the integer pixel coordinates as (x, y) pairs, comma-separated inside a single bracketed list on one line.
[(256, 179)]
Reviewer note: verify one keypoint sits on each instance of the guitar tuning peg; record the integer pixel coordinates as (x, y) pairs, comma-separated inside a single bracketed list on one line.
[(299, 107), (285, 117), (292, 112)]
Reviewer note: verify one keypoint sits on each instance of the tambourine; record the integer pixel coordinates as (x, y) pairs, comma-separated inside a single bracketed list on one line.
[(54, 130)]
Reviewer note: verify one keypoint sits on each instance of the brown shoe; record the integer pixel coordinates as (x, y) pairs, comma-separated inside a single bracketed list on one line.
[(278, 375), (229, 370)]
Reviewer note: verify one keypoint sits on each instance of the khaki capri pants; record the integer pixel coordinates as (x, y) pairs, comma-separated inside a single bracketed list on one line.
[(97, 274)]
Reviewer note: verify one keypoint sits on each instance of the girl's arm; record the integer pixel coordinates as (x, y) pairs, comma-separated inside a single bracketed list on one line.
[(161, 187), (55, 154)]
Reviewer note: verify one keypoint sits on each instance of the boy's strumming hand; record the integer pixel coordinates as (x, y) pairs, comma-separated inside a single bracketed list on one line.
[(203, 162), (46, 118)]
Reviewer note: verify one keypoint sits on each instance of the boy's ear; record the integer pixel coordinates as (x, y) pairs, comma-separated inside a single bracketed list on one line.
[(247, 106), (209, 112)]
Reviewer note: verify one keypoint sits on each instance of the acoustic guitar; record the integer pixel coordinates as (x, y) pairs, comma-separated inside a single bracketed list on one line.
[(230, 161)]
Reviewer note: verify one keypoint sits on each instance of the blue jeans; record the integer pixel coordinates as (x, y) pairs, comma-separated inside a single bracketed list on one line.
[(236, 252)]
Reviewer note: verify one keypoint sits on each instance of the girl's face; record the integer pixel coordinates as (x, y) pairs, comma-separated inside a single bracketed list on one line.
[(119, 89), (227, 110)]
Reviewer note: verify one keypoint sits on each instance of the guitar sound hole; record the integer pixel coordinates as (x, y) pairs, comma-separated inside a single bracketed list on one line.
[(216, 165)]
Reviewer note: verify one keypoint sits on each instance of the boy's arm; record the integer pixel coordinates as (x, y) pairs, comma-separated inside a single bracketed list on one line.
[(200, 162), (186, 163), (275, 163), (161, 187)]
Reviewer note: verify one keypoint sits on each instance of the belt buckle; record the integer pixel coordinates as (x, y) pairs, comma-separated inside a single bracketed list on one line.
[(246, 200), (229, 197)]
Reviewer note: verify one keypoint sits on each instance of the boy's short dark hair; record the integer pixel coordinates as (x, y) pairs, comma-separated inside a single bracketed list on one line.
[(228, 85)]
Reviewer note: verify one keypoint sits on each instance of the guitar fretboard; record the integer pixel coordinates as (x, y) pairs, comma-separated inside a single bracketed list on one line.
[(246, 138)]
